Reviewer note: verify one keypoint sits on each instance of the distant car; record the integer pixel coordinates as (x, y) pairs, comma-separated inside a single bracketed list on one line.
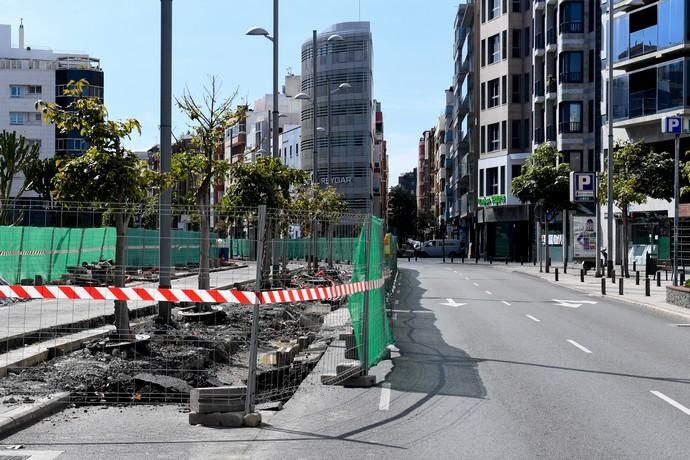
[(439, 248), (405, 250)]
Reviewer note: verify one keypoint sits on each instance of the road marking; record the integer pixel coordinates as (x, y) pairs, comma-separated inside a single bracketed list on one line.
[(476, 284), (489, 292), (405, 311), (455, 271), (505, 303), (385, 400), (680, 325), (574, 343), (572, 303), (536, 320), (675, 404), (467, 278), (453, 303)]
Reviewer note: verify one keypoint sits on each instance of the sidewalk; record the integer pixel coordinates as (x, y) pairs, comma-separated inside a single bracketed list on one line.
[(592, 286)]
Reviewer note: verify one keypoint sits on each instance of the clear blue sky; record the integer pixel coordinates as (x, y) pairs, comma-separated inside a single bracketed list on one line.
[(413, 52)]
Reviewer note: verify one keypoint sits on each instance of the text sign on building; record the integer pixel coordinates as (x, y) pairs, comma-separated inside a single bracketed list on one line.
[(583, 187), (672, 125)]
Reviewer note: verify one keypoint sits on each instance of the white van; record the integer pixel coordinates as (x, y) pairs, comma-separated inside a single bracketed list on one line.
[(437, 248)]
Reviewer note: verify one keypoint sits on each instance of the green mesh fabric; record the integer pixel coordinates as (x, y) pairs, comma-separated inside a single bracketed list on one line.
[(379, 334)]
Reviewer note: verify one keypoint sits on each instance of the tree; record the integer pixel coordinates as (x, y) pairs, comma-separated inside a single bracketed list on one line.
[(107, 174), (208, 119), (317, 202), (544, 182), (39, 176), (16, 155), (403, 212), (638, 173)]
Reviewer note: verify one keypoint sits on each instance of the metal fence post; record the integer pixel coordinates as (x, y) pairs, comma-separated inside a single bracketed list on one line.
[(365, 307), (253, 345)]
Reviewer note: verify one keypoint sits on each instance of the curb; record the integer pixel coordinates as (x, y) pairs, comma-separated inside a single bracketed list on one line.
[(657, 308), (25, 415)]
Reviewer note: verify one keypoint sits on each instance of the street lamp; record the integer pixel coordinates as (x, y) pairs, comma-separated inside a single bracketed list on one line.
[(258, 31)]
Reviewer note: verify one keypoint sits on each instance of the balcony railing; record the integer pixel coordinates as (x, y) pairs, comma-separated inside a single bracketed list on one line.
[(570, 77), (551, 86), (539, 41), (551, 133), (643, 103), (644, 41), (539, 88), (570, 127), (572, 27), (551, 36), (539, 136)]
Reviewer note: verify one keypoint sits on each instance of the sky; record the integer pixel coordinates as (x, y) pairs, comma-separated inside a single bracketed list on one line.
[(413, 53)]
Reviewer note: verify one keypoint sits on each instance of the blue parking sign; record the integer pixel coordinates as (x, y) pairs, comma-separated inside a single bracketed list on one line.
[(583, 187)]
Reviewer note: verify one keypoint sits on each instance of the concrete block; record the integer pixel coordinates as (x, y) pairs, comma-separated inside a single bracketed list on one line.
[(252, 420), (360, 381), (228, 419), (329, 379), (318, 309), (210, 407), (352, 368), (217, 399), (286, 354), (218, 392)]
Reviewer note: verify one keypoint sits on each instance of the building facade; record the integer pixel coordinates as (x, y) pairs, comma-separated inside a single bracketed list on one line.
[(352, 126), (408, 181)]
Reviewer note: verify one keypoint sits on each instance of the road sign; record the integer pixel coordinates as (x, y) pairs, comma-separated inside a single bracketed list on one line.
[(672, 125), (583, 187)]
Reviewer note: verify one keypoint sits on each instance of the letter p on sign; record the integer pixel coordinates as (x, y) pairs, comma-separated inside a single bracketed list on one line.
[(584, 182), (672, 125)]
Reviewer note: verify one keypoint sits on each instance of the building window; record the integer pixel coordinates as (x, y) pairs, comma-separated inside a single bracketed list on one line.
[(492, 181), (516, 171), (516, 6), (481, 182), (483, 53), (517, 45), (483, 139), (590, 115), (494, 49), (572, 16), (527, 43), (504, 134), (16, 91), (505, 6), (503, 180), (493, 137), (504, 89), (515, 132), (570, 117), (527, 87), (504, 45), (570, 64), (493, 8), (591, 65), (483, 96), (16, 118), (493, 90), (516, 96), (574, 158)]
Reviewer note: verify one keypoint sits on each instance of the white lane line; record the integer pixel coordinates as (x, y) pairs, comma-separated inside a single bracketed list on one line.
[(574, 343), (489, 292), (467, 278), (505, 303), (536, 320), (675, 404), (385, 400), (476, 284)]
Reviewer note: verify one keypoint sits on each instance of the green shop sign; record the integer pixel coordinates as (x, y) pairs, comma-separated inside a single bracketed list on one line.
[(493, 200)]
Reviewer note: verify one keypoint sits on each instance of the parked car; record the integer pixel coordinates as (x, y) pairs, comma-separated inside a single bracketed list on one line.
[(437, 248)]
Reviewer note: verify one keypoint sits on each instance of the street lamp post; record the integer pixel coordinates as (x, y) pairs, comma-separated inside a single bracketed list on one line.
[(609, 154), (274, 39)]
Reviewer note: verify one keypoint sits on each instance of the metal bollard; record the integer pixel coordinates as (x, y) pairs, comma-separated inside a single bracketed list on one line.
[(634, 265), (522, 261), (451, 258), (658, 279), (506, 260), (565, 268), (613, 276), (646, 287), (603, 286), (556, 274), (620, 286), (582, 275), (637, 278), (491, 260)]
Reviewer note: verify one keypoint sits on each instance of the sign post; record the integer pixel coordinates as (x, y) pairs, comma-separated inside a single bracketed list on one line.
[(674, 125)]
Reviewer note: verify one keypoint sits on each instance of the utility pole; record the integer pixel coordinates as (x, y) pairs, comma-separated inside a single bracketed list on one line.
[(275, 150), (314, 106), (609, 155)]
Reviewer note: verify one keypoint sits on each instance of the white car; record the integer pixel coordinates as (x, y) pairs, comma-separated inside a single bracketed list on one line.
[(439, 248)]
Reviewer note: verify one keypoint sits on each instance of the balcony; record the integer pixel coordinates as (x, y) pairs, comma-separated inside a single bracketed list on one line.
[(539, 44), (551, 89), (550, 133), (572, 27), (539, 5), (569, 127), (539, 136), (551, 41), (643, 103), (570, 77)]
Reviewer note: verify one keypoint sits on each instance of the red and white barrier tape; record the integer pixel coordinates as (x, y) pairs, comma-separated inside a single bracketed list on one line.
[(187, 295)]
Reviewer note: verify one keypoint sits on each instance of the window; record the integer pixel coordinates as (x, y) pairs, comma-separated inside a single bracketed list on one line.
[(492, 181), (493, 137), (528, 88), (492, 94), (493, 8), (516, 6), (17, 91), (483, 139), (483, 96), (516, 171), (570, 67), (574, 158), (34, 89), (483, 53), (517, 46), (591, 64), (483, 11), (590, 115), (504, 45), (515, 131), (590, 18), (570, 117), (503, 180), (481, 182), (526, 133), (504, 134), (527, 43), (493, 49), (505, 6), (516, 96), (572, 16), (16, 118), (504, 88)]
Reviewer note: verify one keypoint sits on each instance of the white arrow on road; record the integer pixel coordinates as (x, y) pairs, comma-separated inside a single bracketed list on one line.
[(572, 303), (453, 303)]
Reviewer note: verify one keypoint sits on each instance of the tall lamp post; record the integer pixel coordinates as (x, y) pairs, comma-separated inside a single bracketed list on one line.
[(274, 39), (609, 154)]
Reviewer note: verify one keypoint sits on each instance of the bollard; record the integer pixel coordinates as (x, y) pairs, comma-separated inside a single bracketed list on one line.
[(565, 268), (534, 262), (582, 275), (637, 278), (620, 286), (613, 276), (491, 260), (408, 258), (658, 279), (522, 261), (646, 287), (634, 265), (506, 260), (556, 273), (451, 258), (682, 278), (603, 286)]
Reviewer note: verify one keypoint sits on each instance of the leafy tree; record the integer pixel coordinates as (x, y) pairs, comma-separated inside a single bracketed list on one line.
[(16, 155), (108, 174), (638, 173), (544, 182), (403, 212), (39, 176), (208, 118), (317, 202)]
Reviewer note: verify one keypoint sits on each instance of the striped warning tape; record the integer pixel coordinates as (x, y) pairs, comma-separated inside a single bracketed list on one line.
[(188, 295)]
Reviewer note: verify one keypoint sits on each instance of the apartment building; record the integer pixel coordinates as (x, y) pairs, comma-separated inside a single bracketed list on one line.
[(651, 66), (28, 74), (408, 181)]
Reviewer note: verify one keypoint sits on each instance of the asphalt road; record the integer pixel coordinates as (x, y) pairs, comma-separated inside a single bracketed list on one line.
[(511, 373)]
